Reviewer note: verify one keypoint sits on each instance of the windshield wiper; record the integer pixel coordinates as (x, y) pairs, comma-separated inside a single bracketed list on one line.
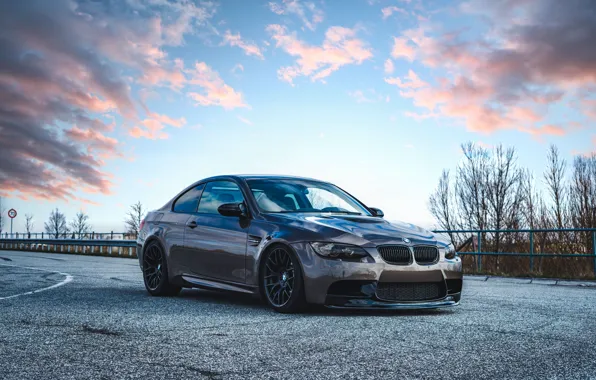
[(342, 212)]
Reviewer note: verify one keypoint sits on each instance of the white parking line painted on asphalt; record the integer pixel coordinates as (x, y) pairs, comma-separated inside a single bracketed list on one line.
[(68, 278)]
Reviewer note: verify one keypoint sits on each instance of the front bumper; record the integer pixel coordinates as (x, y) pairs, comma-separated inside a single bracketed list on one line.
[(371, 303), (344, 284), (343, 302)]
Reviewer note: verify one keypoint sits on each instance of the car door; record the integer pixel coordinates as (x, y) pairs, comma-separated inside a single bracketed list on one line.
[(216, 244), (175, 226)]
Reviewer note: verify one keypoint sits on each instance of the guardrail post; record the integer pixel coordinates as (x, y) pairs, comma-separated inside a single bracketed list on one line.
[(531, 251), (594, 250), (479, 251)]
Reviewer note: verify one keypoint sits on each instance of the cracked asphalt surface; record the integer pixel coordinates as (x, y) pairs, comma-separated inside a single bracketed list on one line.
[(103, 325)]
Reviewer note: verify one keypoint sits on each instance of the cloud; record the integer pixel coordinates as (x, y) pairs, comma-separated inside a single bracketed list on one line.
[(152, 127), (237, 67), (369, 96), (214, 91), (534, 55), (250, 48), (300, 9), (388, 66), (547, 129), (388, 11), (68, 70), (401, 49), (97, 143), (341, 47), (244, 120), (412, 81)]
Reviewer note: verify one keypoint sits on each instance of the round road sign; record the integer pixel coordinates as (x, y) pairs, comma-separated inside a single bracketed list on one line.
[(12, 213)]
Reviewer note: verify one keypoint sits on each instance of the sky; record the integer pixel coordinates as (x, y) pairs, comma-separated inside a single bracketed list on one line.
[(106, 103)]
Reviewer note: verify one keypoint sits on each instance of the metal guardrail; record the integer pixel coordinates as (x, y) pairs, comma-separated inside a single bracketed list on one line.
[(70, 235), (532, 254), (106, 246), (125, 248)]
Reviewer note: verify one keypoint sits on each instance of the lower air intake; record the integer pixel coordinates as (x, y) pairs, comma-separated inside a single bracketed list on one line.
[(410, 291)]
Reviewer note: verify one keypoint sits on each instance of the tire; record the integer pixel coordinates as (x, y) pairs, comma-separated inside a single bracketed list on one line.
[(283, 293), (155, 272)]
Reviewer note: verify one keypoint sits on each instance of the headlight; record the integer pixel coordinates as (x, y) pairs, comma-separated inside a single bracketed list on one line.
[(450, 252), (341, 251)]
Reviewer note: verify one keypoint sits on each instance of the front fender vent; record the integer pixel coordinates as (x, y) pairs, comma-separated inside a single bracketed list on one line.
[(254, 240)]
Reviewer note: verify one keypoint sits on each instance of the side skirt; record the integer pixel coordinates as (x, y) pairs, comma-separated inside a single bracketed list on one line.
[(196, 282)]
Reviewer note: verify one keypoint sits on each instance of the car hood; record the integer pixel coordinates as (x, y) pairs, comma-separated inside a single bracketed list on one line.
[(367, 229)]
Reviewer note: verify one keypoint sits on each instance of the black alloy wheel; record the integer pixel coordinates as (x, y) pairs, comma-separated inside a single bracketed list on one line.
[(155, 272), (282, 280)]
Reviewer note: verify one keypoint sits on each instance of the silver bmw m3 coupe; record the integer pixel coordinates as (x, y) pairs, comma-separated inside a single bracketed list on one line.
[(293, 241)]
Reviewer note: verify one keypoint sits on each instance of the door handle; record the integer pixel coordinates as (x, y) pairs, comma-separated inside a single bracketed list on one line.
[(192, 224)]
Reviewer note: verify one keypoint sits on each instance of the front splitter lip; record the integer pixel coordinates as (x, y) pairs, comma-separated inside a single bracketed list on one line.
[(448, 301)]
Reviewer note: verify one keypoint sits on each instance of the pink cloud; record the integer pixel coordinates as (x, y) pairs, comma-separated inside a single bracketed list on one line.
[(369, 96), (164, 74), (301, 9), (340, 48), (388, 11), (95, 141), (412, 81), (549, 129), (510, 80), (401, 49), (250, 48), (152, 127), (214, 91), (80, 65), (388, 66)]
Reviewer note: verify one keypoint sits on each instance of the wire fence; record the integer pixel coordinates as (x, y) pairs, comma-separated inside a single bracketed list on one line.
[(563, 253)]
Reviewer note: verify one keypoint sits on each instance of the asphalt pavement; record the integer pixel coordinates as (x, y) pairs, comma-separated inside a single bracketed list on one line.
[(83, 317)]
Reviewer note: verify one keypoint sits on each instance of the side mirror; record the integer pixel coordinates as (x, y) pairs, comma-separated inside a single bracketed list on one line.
[(232, 209), (377, 212)]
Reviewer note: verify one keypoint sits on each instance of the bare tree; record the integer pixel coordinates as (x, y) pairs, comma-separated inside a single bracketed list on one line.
[(134, 218), (441, 205), (582, 198), (2, 211), (502, 191), (29, 224), (56, 224), (491, 191), (554, 178), (80, 226), (582, 191), (471, 187)]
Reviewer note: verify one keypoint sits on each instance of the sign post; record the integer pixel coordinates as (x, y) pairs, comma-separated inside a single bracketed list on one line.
[(12, 213)]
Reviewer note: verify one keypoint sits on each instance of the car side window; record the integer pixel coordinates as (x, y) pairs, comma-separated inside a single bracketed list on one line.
[(217, 193), (189, 201)]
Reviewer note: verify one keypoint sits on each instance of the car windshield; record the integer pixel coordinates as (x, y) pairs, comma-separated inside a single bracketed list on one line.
[(296, 195)]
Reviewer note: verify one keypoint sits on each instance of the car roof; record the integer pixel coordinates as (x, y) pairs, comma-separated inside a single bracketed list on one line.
[(260, 176)]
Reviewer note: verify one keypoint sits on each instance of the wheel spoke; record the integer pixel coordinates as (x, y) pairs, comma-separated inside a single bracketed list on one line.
[(278, 277), (153, 260)]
